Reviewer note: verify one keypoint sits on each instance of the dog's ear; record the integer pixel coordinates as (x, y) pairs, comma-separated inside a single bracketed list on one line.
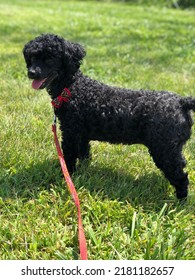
[(78, 53), (73, 53)]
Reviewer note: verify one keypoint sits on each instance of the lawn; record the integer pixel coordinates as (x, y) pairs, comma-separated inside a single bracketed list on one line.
[(129, 209)]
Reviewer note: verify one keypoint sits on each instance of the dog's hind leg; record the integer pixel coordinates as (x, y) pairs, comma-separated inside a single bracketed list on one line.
[(172, 163)]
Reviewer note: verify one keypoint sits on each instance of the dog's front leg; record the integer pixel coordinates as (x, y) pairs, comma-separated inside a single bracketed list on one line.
[(70, 151), (84, 149)]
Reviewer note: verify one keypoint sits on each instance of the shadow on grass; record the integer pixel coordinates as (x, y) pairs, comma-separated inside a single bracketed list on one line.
[(149, 190), (28, 182)]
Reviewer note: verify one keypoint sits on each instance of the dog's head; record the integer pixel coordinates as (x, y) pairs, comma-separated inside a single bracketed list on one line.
[(50, 57)]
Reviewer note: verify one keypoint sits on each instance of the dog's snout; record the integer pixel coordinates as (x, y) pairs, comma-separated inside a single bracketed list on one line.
[(34, 73)]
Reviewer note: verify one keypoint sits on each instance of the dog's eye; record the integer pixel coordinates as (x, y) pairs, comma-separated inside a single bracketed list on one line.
[(48, 61), (33, 59)]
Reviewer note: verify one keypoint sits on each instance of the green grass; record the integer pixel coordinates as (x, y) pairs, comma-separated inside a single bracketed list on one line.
[(129, 210)]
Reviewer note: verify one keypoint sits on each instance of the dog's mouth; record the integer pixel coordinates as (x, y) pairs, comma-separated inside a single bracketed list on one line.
[(43, 83)]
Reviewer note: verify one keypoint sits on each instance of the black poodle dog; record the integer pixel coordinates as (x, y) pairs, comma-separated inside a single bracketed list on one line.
[(90, 110)]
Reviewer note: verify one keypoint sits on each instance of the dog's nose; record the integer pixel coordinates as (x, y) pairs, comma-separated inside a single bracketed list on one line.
[(33, 73)]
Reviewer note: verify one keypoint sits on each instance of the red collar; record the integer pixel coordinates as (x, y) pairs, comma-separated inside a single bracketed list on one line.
[(63, 97)]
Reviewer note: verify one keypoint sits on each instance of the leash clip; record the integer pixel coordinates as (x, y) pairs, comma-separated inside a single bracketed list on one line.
[(54, 124), (54, 120)]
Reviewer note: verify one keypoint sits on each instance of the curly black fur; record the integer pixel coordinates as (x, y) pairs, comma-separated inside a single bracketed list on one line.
[(159, 120)]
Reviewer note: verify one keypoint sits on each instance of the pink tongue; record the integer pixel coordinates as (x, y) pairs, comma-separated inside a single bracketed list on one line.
[(36, 84)]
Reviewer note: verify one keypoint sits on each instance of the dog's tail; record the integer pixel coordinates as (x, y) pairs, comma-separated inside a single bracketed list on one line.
[(188, 103)]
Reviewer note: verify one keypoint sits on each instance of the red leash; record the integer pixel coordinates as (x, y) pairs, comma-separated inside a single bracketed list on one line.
[(71, 187)]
